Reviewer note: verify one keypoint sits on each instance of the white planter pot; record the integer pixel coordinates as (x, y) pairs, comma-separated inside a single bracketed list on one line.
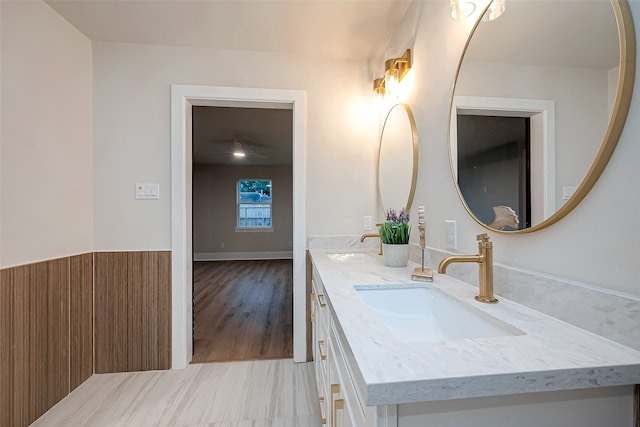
[(395, 255)]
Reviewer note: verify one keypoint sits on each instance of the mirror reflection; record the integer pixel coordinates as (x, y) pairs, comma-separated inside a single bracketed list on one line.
[(398, 159), (533, 102)]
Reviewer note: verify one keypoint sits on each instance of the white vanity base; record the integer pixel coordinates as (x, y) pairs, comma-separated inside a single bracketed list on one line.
[(605, 406)]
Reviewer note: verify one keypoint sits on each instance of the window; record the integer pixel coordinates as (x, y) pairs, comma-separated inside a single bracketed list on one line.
[(254, 204)]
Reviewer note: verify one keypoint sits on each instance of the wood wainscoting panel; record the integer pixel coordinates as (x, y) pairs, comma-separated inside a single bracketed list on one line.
[(34, 340), (109, 322), (6, 338), (81, 318), (132, 311), (49, 335), (14, 347)]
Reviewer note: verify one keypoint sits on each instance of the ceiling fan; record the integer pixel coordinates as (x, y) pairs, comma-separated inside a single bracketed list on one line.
[(238, 148)]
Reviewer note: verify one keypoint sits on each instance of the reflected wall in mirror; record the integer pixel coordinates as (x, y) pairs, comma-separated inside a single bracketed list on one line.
[(398, 159), (540, 100)]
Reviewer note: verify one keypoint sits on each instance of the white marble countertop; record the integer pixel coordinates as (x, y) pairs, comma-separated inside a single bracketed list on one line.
[(551, 354)]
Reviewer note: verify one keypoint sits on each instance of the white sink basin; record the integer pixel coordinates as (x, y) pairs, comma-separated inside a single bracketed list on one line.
[(422, 314), (347, 256)]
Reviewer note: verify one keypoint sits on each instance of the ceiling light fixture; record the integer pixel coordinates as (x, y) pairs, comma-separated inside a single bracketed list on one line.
[(461, 9), (237, 149), (395, 70)]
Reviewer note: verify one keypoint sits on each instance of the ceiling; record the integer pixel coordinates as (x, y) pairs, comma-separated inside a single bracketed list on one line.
[(264, 134), (342, 29)]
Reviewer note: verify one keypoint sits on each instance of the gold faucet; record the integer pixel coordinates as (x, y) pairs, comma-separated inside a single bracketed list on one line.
[(485, 261), (364, 236)]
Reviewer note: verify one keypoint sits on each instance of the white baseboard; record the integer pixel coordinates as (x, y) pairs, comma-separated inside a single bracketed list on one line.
[(244, 256)]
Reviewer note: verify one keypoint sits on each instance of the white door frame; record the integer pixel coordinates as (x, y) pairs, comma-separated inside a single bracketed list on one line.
[(543, 151), (183, 97)]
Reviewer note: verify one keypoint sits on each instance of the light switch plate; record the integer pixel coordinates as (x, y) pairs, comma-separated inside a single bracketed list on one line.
[(451, 233), (147, 191), (367, 223), (567, 192)]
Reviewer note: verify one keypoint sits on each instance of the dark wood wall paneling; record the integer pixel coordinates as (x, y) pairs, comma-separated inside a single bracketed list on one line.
[(48, 335), (132, 311), (14, 347), (36, 324), (81, 319)]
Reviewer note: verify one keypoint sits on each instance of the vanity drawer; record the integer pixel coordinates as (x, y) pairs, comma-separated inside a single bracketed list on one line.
[(320, 322), (320, 308), (354, 412)]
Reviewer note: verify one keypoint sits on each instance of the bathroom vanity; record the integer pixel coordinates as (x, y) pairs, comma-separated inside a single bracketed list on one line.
[(392, 352)]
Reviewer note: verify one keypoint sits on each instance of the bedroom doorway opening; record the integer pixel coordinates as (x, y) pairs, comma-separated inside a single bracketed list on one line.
[(242, 208), (183, 98)]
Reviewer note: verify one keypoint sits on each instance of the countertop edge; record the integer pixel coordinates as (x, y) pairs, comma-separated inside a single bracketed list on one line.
[(499, 385)]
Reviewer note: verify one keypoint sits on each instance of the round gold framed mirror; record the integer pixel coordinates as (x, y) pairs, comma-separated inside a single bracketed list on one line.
[(398, 159), (538, 106)]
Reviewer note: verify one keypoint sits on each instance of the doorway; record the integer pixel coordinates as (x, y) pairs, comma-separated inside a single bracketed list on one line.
[(242, 208), (183, 97), (541, 116), (494, 157)]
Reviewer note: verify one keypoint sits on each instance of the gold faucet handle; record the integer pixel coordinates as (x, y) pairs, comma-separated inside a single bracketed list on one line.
[(483, 241), (484, 237)]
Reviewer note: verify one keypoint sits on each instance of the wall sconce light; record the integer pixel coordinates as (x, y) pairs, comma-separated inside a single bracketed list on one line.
[(394, 71), (495, 9), (378, 88)]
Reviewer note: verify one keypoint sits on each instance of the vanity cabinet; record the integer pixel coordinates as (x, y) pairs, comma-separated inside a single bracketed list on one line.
[(341, 400)]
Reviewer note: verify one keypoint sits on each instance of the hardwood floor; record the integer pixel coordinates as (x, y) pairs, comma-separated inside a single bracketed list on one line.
[(243, 310), (266, 393)]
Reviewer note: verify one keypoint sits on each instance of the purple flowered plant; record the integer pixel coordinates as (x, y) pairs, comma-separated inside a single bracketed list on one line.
[(396, 229), (393, 216)]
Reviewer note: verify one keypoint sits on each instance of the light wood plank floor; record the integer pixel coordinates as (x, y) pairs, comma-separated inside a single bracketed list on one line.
[(243, 310), (266, 393)]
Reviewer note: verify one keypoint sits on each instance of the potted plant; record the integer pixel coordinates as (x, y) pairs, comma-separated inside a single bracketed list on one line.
[(394, 233)]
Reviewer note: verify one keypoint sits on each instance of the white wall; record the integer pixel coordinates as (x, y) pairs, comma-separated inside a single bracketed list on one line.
[(131, 134), (595, 244), (46, 174), (214, 210)]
